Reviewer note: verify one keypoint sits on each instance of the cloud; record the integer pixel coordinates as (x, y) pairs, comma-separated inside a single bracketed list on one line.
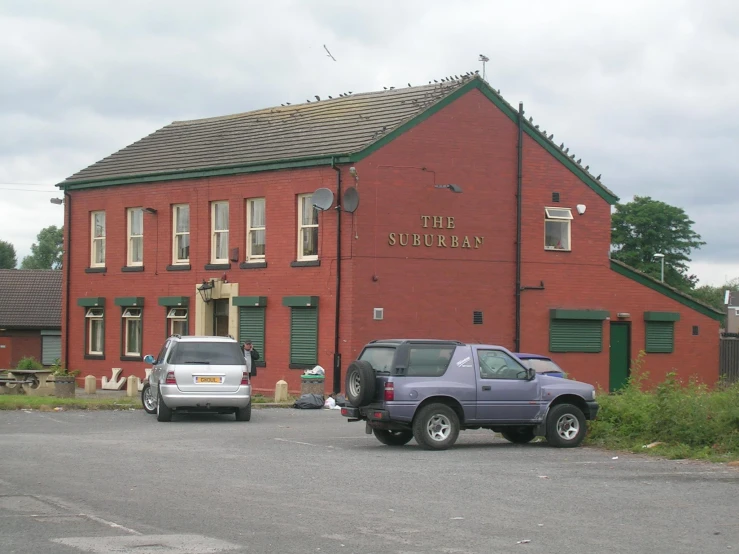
[(644, 93)]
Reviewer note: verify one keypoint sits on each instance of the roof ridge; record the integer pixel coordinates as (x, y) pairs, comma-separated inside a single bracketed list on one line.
[(293, 107)]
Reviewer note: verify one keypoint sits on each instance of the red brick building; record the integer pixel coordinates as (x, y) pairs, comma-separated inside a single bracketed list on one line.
[(519, 257)]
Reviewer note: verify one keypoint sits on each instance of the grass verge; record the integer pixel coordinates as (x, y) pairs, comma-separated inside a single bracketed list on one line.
[(48, 403), (676, 420)]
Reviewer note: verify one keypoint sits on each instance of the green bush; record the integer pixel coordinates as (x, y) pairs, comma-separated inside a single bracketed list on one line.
[(689, 418), (29, 362)]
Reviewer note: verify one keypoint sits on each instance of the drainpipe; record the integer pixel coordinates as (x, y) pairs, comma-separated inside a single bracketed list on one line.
[(337, 355), (519, 203), (68, 248)]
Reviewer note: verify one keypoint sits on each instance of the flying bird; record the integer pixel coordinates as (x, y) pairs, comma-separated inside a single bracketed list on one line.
[(329, 53)]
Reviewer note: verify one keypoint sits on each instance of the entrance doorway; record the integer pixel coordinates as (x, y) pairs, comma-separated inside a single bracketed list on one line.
[(620, 362), (220, 317)]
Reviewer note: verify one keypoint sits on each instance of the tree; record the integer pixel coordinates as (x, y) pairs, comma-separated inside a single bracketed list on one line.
[(47, 253), (8, 259), (645, 227), (715, 296)]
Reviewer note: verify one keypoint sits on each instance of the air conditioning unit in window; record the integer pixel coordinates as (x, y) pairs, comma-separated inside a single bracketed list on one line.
[(379, 314)]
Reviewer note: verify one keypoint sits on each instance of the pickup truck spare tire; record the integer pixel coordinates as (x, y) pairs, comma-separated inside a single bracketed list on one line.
[(360, 383)]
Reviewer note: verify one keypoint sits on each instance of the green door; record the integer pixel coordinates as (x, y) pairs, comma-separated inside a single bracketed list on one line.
[(620, 354)]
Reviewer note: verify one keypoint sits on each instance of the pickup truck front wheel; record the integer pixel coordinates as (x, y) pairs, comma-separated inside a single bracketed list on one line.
[(566, 427), (436, 427), (393, 438)]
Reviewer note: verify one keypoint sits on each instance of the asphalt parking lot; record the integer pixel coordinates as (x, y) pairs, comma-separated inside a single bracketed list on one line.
[(308, 481)]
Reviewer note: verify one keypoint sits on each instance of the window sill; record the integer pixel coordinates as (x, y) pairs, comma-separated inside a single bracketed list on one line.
[(211, 267), (132, 358), (94, 356), (306, 263), (260, 264), (96, 270), (132, 268), (179, 267), (546, 249), (303, 366)]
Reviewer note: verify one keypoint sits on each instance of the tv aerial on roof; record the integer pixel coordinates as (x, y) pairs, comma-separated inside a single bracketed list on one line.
[(351, 200), (322, 199)]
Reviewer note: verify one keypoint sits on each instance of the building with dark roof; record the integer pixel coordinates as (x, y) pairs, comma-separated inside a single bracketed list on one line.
[(431, 211), (30, 315)]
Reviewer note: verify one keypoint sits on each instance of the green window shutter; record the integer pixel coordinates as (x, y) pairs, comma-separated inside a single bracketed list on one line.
[(303, 337), (660, 336), (576, 335), (251, 326), (51, 349)]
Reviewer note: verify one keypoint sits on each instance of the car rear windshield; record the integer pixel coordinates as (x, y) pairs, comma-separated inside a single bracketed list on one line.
[(379, 357), (212, 353)]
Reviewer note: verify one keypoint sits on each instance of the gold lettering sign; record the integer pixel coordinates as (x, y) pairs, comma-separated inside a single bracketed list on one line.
[(435, 240)]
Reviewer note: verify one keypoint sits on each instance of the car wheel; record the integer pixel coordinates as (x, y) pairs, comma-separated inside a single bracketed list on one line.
[(243, 414), (393, 438), (163, 412), (360, 383), (148, 399), (521, 435), (566, 427), (436, 427)]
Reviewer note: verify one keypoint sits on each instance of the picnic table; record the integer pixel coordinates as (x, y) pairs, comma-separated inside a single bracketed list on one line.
[(29, 381)]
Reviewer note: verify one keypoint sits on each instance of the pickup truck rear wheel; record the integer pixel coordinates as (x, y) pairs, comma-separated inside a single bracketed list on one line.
[(360, 383), (522, 435), (566, 427), (436, 427), (393, 438)]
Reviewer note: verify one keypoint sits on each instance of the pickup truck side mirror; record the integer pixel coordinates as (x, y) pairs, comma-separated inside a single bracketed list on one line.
[(149, 359)]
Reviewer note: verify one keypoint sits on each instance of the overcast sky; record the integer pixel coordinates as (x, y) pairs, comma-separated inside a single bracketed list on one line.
[(645, 92)]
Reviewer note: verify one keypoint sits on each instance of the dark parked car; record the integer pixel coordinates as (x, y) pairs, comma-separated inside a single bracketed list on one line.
[(543, 365), (431, 389)]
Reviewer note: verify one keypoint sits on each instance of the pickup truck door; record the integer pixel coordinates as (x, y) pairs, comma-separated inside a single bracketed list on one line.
[(504, 392)]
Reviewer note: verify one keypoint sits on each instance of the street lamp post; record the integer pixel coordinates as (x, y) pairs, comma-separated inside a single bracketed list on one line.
[(662, 257)]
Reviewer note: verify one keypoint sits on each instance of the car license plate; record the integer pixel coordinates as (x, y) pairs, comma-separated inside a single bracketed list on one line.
[(202, 379)]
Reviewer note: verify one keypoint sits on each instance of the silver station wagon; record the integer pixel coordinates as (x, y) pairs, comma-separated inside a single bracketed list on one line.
[(198, 374)]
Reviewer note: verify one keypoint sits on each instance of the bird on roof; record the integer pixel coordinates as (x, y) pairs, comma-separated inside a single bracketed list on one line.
[(435, 81), (578, 161), (282, 104), (551, 136), (561, 146), (587, 167), (598, 177), (288, 103), (410, 84), (308, 101), (531, 119), (385, 88), (318, 97), (567, 149)]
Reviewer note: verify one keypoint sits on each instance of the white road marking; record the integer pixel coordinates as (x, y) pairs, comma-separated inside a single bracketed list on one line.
[(110, 524), (149, 544), (297, 442)]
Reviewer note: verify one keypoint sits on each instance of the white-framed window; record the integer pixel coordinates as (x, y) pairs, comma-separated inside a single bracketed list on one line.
[(135, 217), (557, 225), (180, 234), (132, 331), (95, 331), (219, 233), (307, 228), (255, 229), (177, 318), (97, 237)]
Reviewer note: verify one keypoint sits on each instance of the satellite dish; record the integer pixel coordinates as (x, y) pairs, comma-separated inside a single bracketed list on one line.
[(323, 198), (351, 200)]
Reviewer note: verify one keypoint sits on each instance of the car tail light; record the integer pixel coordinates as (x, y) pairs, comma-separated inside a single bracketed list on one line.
[(170, 380), (245, 378), (389, 392)]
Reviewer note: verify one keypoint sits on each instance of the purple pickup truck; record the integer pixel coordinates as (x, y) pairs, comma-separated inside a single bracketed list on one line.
[(430, 390)]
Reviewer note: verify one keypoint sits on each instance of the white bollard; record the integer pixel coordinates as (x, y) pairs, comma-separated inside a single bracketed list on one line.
[(91, 386), (132, 386), (281, 391)]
